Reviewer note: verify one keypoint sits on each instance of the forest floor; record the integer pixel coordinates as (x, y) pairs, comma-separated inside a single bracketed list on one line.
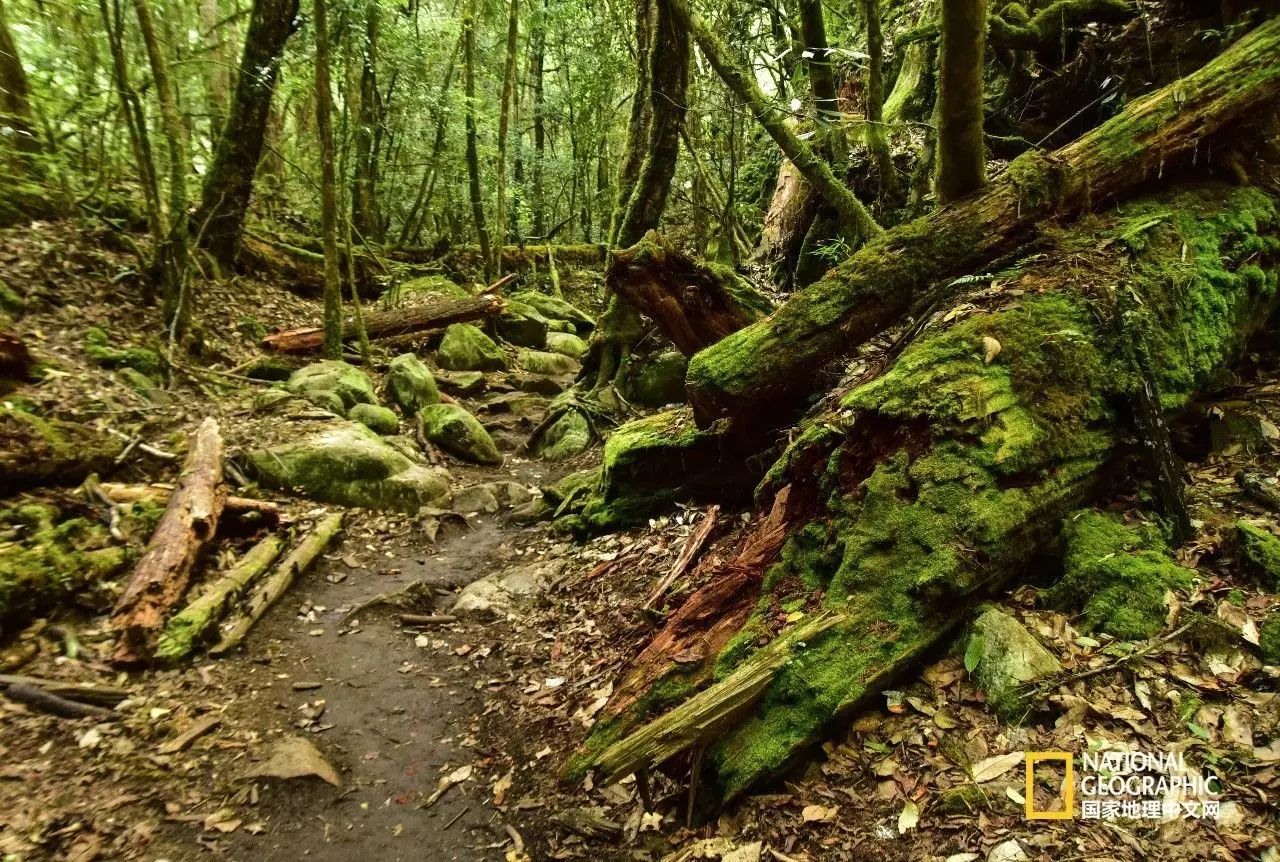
[(446, 741)]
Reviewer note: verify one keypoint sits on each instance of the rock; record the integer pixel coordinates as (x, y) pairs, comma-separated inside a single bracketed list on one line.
[(1261, 554), (142, 384), (11, 301), (566, 344), (554, 308), (1008, 656), (430, 287), (541, 362), (272, 399), (270, 368), (539, 384), (477, 498), (532, 512), (326, 400), (568, 436), (467, 348), (658, 381), (410, 385), (1232, 431), (351, 385), (512, 493), (350, 465), (521, 404), (459, 433), (461, 382), (522, 325), (503, 593), (97, 345), (376, 418)]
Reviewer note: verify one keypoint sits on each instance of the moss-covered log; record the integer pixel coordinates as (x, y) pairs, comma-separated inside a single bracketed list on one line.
[(35, 450), (759, 373), (934, 483), (1044, 29), (693, 303)]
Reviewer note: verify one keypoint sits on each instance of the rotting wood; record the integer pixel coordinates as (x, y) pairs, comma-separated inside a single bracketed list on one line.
[(692, 547), (118, 492), (189, 523), (54, 704), (96, 695)]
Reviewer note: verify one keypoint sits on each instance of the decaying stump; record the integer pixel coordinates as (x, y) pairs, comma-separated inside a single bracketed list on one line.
[(189, 523), (934, 483), (695, 304), (760, 374)]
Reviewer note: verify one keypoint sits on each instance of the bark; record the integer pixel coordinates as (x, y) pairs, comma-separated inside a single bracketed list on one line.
[(813, 30), (331, 331), (15, 96), (228, 186), (473, 155), (638, 124), (1154, 136), (386, 324), (504, 126), (961, 155), (935, 483), (189, 523), (791, 211), (365, 219), (1044, 29), (537, 60), (269, 591), (908, 98), (873, 96), (694, 304), (264, 511), (742, 83)]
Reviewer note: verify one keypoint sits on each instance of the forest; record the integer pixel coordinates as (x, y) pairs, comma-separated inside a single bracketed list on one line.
[(655, 430)]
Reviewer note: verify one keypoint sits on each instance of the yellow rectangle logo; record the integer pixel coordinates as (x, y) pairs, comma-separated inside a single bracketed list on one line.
[(1069, 793)]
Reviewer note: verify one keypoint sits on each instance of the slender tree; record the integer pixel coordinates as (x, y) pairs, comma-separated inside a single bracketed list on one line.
[(328, 189), (412, 226), (228, 186), (537, 63), (638, 124), (504, 128), (876, 137), (15, 100), (473, 154), (817, 55), (961, 157), (364, 191)]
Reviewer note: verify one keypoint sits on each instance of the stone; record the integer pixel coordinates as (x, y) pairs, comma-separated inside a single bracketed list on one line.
[(477, 498), (1008, 657), (532, 512), (467, 348), (554, 308), (566, 344), (459, 433), (512, 493), (522, 325), (658, 381), (272, 399), (350, 465), (430, 287), (326, 400), (376, 418), (410, 385), (568, 436), (541, 362), (465, 383), (351, 385), (270, 368), (504, 593), (1261, 554), (539, 384)]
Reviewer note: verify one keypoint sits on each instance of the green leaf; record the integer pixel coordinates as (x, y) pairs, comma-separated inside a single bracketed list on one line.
[(974, 652)]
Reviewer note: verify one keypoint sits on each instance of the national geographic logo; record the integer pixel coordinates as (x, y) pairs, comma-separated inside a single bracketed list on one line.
[(1128, 785), (1068, 810)]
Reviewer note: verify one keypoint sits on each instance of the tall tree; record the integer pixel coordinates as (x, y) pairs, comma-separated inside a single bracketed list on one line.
[(638, 124), (473, 153), (504, 127), (328, 189), (961, 157), (15, 99), (877, 139), (537, 67), (365, 219), (228, 186), (817, 54)]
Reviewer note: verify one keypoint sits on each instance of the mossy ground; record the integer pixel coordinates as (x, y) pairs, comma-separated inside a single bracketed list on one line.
[(1261, 554)]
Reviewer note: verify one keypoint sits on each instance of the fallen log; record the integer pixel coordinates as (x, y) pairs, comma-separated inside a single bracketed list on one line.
[(269, 591), (265, 510), (54, 704), (187, 630), (189, 523), (384, 324), (759, 375), (36, 450), (935, 483), (694, 304), (97, 695)]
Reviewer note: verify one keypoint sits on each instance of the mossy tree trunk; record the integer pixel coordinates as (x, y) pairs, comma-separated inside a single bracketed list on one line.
[(328, 188), (876, 136), (961, 154), (365, 219), (760, 373), (15, 99), (504, 126), (813, 29), (935, 482), (473, 153)]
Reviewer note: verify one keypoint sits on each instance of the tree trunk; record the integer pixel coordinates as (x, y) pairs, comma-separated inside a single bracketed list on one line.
[(332, 328), (933, 484), (961, 155), (228, 186), (791, 211), (907, 100), (742, 83), (412, 227), (473, 154), (504, 127), (813, 30), (876, 137), (189, 523), (1153, 136), (638, 125), (364, 189), (538, 51), (1044, 30), (15, 97)]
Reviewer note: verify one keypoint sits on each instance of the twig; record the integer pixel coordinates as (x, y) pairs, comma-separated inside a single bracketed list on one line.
[(1146, 649)]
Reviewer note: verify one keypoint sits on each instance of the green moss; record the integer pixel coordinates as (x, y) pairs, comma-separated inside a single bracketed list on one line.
[(673, 688), (11, 301), (38, 450), (1261, 554), (1269, 640), (1117, 575), (97, 345)]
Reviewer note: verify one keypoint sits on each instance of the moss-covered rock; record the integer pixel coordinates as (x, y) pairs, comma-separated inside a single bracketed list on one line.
[(376, 418), (567, 344), (1117, 574), (272, 368), (1260, 552), (270, 400), (467, 348), (430, 287), (410, 384), (37, 451), (554, 308), (542, 362), (567, 436), (1008, 657), (11, 301), (657, 381), (464, 383), (522, 325), (97, 345), (320, 382), (459, 433), (350, 465), (1269, 640)]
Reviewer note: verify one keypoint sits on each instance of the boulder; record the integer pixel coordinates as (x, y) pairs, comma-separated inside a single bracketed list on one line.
[(376, 418), (566, 344), (477, 498), (459, 433), (327, 400), (1008, 657), (351, 385), (461, 382), (504, 593), (271, 368), (522, 325), (272, 399), (430, 287), (350, 465), (658, 381), (1261, 554), (410, 385), (568, 436), (97, 345), (554, 308), (540, 384), (467, 348), (541, 362)]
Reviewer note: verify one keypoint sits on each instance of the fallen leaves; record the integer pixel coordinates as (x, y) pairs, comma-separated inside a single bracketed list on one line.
[(295, 757)]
